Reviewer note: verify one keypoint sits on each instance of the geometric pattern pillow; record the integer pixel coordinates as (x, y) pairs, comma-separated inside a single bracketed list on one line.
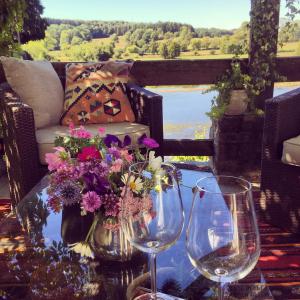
[(96, 93)]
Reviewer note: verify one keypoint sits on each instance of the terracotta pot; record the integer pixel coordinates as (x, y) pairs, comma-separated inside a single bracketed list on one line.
[(238, 103)]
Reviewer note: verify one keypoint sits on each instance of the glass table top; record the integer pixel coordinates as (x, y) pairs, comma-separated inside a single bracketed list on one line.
[(47, 269)]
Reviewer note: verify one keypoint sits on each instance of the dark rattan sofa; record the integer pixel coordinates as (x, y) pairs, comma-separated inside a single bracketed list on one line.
[(280, 183), (20, 145)]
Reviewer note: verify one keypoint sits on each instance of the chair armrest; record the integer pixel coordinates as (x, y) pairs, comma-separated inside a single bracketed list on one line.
[(20, 144), (282, 121), (147, 107)]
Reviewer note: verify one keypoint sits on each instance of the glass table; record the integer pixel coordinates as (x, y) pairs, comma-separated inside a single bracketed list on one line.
[(47, 269)]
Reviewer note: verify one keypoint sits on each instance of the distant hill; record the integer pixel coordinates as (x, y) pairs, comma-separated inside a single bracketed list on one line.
[(107, 28)]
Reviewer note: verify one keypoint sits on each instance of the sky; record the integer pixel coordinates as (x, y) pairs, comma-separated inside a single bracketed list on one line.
[(227, 14)]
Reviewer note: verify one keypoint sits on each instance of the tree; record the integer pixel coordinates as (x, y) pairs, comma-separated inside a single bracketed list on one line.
[(76, 40), (195, 44), (114, 38), (153, 48), (89, 52), (173, 50), (12, 13), (34, 25), (205, 42), (65, 39), (132, 49), (118, 53), (51, 43), (36, 49), (163, 50), (214, 43), (20, 21)]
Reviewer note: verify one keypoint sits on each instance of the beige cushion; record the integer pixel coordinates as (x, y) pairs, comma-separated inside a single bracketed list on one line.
[(291, 151), (45, 136), (38, 85)]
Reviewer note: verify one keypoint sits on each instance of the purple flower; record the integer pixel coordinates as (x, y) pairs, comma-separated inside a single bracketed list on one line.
[(127, 141), (150, 143), (69, 193), (114, 152), (91, 201), (141, 138), (95, 183), (108, 158), (110, 140)]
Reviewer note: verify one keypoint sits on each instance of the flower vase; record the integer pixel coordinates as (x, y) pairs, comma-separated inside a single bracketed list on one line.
[(74, 227), (106, 244), (111, 244)]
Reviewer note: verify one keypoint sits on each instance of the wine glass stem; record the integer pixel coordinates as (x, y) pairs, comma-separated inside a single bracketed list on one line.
[(153, 274), (221, 291)]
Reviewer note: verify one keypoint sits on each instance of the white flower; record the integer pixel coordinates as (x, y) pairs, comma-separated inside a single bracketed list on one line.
[(135, 184), (83, 248), (154, 162), (155, 165)]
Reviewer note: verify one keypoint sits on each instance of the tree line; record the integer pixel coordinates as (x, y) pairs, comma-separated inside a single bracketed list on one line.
[(74, 39), (168, 39)]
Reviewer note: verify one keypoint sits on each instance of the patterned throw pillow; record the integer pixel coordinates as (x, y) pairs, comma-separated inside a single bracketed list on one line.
[(96, 93)]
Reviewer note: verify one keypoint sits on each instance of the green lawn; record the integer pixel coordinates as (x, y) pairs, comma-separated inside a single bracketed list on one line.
[(288, 49)]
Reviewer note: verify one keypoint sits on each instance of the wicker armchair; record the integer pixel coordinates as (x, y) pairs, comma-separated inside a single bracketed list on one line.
[(20, 145), (280, 183)]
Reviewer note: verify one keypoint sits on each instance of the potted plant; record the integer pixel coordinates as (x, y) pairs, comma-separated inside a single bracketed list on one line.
[(234, 92)]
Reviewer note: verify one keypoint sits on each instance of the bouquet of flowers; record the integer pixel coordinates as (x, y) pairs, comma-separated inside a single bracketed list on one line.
[(93, 171)]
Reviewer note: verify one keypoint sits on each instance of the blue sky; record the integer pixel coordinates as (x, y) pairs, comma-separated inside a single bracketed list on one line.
[(199, 13)]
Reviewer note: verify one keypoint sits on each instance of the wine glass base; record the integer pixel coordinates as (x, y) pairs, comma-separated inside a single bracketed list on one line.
[(158, 296)]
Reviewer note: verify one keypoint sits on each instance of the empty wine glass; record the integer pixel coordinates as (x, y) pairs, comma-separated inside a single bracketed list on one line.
[(222, 239), (152, 212)]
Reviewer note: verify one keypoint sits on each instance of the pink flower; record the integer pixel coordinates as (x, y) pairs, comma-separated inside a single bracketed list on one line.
[(110, 203), (88, 153), (116, 166), (131, 206), (101, 130), (83, 133), (71, 128), (80, 133), (125, 155), (57, 159), (91, 201)]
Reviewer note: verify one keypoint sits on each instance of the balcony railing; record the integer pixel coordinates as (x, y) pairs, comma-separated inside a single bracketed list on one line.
[(193, 72)]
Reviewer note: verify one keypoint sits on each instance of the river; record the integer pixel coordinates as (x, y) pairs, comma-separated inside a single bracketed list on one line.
[(184, 110)]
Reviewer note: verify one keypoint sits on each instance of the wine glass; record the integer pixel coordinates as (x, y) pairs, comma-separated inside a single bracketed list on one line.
[(152, 213), (222, 238)]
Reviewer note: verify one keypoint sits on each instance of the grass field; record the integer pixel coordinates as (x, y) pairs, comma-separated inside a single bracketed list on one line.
[(289, 49)]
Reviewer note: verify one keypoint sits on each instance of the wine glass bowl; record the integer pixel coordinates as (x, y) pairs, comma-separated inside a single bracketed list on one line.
[(222, 236), (153, 222)]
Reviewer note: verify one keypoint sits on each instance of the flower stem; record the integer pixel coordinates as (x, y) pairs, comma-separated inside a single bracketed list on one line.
[(92, 228)]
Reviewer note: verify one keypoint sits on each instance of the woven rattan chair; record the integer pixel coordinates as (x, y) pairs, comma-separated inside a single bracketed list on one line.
[(20, 145), (280, 183)]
